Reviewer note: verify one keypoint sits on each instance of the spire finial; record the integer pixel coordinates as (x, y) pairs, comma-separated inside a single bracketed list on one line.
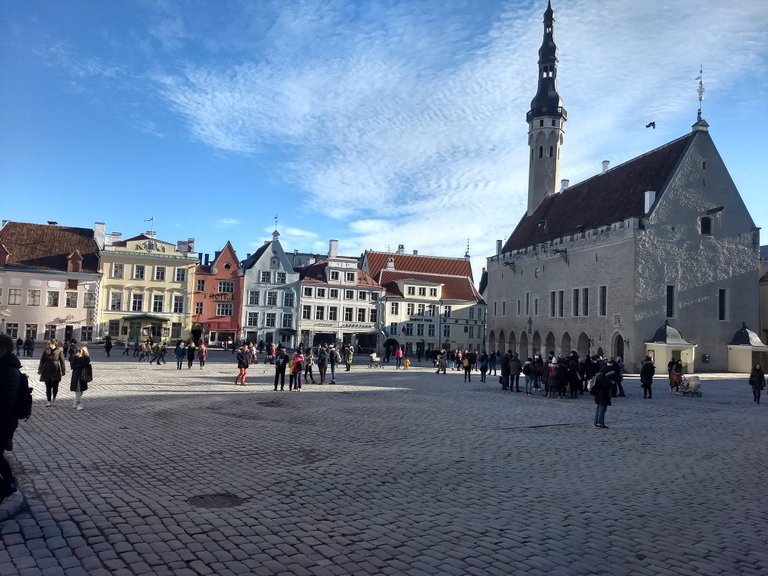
[(700, 78)]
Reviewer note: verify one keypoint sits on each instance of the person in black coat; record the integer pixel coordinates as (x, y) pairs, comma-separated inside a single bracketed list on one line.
[(757, 381), (79, 360), (647, 372), (602, 393), (10, 376)]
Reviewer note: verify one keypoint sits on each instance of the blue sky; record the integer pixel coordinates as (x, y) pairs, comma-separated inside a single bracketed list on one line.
[(376, 123)]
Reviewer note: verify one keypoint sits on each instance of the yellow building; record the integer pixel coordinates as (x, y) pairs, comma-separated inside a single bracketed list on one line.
[(147, 287)]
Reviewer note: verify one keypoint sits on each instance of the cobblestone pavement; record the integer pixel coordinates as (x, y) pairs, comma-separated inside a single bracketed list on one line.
[(180, 472)]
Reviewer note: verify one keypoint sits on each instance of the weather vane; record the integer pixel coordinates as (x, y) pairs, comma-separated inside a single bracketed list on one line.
[(275, 221), (700, 78)]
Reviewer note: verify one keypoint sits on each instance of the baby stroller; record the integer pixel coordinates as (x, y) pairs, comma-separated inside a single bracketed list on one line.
[(690, 386), (375, 361)]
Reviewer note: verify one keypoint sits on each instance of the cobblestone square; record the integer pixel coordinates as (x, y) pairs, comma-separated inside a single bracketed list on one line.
[(390, 471)]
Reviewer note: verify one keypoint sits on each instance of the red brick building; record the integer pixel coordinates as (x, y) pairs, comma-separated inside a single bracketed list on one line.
[(218, 298)]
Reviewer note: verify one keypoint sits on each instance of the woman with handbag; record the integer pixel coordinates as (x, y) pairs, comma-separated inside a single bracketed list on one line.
[(82, 373)]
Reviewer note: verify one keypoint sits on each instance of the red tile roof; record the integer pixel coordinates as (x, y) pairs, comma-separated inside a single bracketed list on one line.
[(46, 247), (377, 261), (454, 287), (613, 196)]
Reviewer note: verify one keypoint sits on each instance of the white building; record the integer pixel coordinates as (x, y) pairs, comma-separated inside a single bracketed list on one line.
[(49, 280), (270, 290)]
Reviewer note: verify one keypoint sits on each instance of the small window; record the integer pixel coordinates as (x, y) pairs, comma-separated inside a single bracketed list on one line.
[(706, 226), (670, 301), (721, 305), (551, 151), (541, 151)]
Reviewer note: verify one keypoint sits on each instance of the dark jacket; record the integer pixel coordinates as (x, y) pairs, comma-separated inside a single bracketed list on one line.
[(757, 379), (515, 365), (647, 372), (602, 390), (242, 359), (505, 367), (9, 387), (76, 364), (52, 366)]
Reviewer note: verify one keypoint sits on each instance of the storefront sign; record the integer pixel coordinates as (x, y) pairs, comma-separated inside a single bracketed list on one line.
[(221, 297)]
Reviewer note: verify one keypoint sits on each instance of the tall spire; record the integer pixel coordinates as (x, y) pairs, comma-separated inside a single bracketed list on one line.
[(546, 121), (547, 101)]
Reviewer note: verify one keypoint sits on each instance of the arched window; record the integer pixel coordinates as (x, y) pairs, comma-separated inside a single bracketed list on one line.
[(551, 151), (541, 151), (706, 226)]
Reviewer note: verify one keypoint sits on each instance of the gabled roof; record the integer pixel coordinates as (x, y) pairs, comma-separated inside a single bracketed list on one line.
[(317, 273), (124, 243), (208, 268), (377, 261), (253, 258), (613, 196), (47, 247), (454, 287)]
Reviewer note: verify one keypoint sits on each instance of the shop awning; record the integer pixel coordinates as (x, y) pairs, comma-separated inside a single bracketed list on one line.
[(145, 317)]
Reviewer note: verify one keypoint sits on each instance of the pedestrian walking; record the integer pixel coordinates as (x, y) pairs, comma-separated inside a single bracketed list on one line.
[(309, 363), (757, 381), (505, 370), (82, 373), (322, 362), (19, 345), (398, 357), (52, 369), (483, 365), (601, 390), (180, 352), (10, 378), (647, 372), (281, 361), (334, 359), (467, 365), (242, 364), (348, 355), (202, 354), (297, 367), (108, 344), (191, 355)]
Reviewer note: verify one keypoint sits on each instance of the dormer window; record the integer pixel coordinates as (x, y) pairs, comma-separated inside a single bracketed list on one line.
[(705, 226)]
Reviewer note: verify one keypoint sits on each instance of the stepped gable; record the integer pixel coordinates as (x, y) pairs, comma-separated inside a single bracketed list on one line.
[(613, 196), (377, 261), (454, 287), (47, 246)]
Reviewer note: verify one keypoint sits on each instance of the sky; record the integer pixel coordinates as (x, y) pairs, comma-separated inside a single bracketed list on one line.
[(375, 123)]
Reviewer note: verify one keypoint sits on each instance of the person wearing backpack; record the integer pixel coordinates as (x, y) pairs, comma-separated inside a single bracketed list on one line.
[(52, 369), (10, 378), (82, 373)]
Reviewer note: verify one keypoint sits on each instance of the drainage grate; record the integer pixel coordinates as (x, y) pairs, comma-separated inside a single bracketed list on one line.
[(215, 501)]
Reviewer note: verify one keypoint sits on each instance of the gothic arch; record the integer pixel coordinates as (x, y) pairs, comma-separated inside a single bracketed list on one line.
[(492, 341), (582, 345), (502, 342), (565, 344), (549, 344), (512, 341), (617, 345), (522, 349), (537, 344)]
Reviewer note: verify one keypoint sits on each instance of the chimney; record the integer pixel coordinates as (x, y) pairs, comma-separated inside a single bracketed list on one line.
[(401, 248), (564, 184), (333, 248), (99, 234), (415, 252), (498, 247), (650, 198), (390, 263), (207, 259), (606, 165), (200, 258), (113, 237)]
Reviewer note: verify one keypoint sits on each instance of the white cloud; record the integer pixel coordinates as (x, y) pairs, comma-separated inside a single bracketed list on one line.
[(227, 222)]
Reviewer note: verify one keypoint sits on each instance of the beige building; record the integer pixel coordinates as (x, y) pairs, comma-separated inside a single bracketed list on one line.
[(147, 288), (428, 302)]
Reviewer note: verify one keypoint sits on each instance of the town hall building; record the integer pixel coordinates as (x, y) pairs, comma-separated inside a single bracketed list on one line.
[(657, 256)]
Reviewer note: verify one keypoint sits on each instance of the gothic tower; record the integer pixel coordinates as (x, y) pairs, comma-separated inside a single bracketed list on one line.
[(546, 122)]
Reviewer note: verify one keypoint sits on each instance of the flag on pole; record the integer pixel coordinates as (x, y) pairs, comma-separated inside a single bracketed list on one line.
[(404, 330)]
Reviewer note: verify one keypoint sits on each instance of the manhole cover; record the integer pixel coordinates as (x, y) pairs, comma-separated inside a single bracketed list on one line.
[(216, 501)]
